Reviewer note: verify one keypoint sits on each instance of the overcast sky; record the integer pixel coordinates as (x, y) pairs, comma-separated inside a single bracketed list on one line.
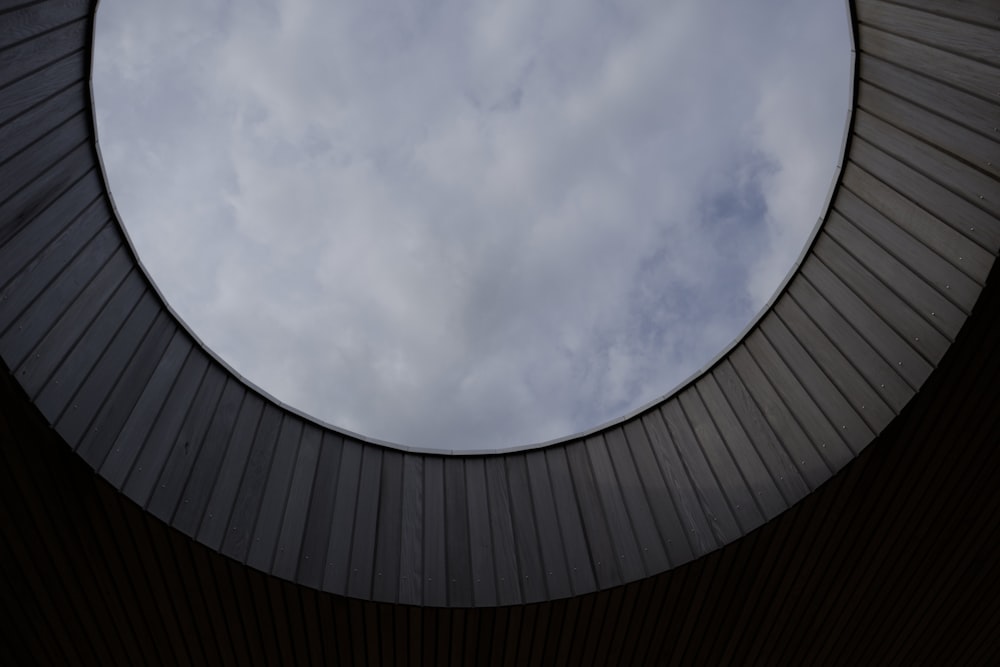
[(470, 223)]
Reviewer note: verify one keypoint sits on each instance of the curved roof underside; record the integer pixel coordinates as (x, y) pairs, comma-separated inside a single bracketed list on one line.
[(896, 268)]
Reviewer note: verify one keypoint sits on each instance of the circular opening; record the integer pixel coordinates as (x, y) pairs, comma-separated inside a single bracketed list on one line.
[(464, 225)]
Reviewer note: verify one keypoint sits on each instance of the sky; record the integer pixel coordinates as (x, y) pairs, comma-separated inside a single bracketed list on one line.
[(470, 224)]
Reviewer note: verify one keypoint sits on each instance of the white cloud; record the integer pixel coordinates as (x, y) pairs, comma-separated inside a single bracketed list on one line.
[(469, 224)]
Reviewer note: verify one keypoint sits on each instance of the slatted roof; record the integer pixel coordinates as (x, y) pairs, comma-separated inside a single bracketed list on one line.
[(204, 471)]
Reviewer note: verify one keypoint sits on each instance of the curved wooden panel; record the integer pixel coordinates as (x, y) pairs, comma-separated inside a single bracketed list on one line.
[(897, 266)]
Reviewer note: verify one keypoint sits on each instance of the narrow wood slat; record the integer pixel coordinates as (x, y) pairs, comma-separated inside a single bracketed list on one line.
[(714, 408), (718, 507), (955, 36), (973, 185), (969, 75), (293, 525), (312, 560), (361, 575), (504, 548), (784, 472), (595, 523), (554, 563), (841, 414), (532, 574), (48, 150), (412, 541), (184, 452), (482, 570), (340, 524), (24, 57), (64, 333), (435, 582), (31, 109), (457, 545), (942, 239), (659, 494), (46, 308), (581, 573), (730, 477), (389, 548), (912, 325), (697, 525), (253, 472), (146, 470), (970, 11), (70, 218), (625, 550), (212, 501), (853, 386), (957, 105), (637, 506), (267, 525)]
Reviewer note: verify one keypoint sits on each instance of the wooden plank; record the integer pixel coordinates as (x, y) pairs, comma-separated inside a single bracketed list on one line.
[(46, 182), (53, 346), (69, 218), (976, 187), (856, 389), (822, 435), (968, 110), (29, 108), (784, 473), (948, 207), (672, 532), (742, 500), (147, 467), (268, 524), (187, 444), (931, 128), (40, 156), (293, 525), (32, 20), (878, 373), (98, 411), (66, 378), (530, 567), (24, 57), (625, 548), (388, 549), (640, 514), (969, 75), (780, 419), (411, 571), (905, 360), (711, 496), (435, 529), (910, 286), (457, 545), (200, 481), (245, 507), (841, 414), (602, 551), (362, 574), (971, 11), (210, 506), (557, 580), (341, 521), (312, 559), (504, 547), (46, 308), (961, 251), (935, 269), (480, 534), (712, 408), (581, 573), (958, 37), (912, 326)]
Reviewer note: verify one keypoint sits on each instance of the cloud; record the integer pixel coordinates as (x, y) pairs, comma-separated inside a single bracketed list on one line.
[(469, 224)]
